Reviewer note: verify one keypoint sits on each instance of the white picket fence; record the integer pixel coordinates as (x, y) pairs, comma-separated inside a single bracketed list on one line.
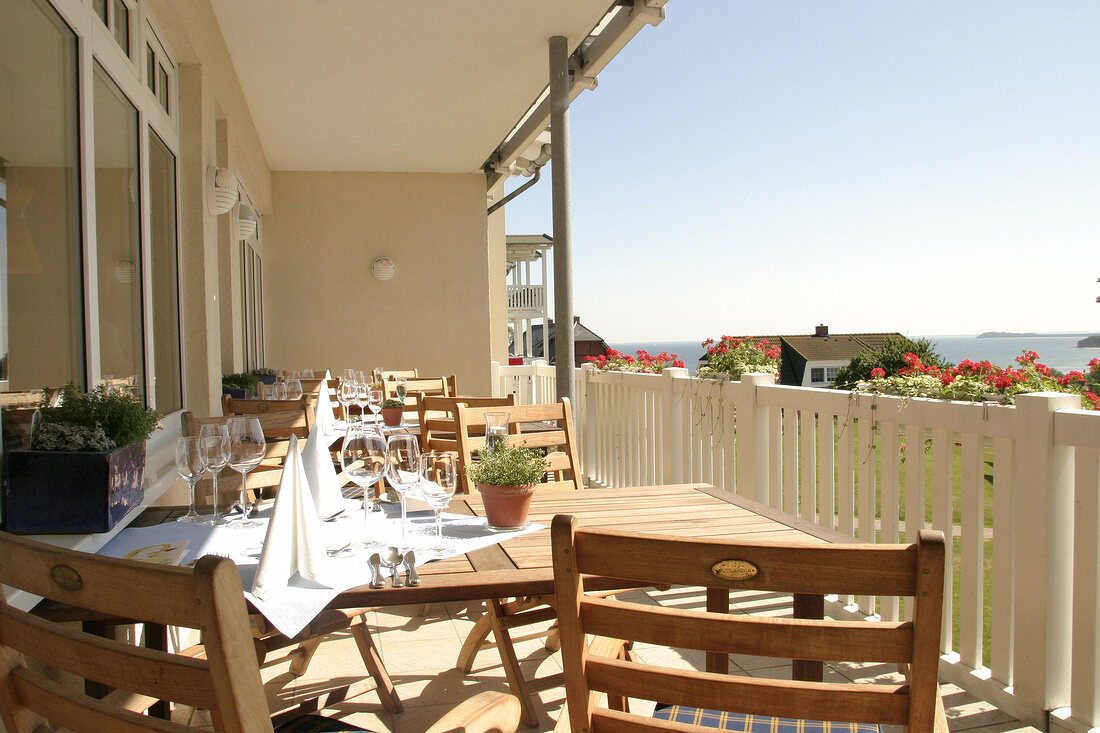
[(1016, 487)]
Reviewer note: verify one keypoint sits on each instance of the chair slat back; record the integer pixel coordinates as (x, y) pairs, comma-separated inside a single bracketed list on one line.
[(208, 597), (297, 417), (437, 418), (445, 385), (548, 426), (914, 572)]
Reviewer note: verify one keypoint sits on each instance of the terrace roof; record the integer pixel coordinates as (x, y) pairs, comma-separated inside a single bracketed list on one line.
[(371, 85)]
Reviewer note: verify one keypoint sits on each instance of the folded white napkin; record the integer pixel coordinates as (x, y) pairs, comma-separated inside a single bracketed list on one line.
[(320, 474), (324, 415), (295, 542)]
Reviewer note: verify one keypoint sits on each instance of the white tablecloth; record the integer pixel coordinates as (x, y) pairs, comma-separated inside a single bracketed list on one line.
[(291, 610)]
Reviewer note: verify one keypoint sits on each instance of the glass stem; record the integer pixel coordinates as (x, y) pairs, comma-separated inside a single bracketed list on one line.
[(244, 496), (438, 527), (404, 519), (192, 511), (217, 514)]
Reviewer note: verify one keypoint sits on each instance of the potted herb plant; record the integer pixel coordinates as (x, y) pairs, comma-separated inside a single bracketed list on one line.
[(392, 411), (264, 375), (239, 386), (84, 469), (506, 476)]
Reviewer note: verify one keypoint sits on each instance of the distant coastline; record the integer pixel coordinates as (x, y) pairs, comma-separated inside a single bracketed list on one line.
[(1013, 335)]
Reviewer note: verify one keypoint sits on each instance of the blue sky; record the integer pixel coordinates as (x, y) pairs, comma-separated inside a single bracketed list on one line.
[(926, 167)]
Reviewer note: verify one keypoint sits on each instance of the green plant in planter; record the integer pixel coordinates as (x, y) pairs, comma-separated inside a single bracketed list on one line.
[(391, 404), (507, 465), (263, 372), (102, 419), (241, 380)]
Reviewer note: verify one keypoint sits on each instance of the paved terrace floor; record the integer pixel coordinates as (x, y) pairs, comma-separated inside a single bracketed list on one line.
[(420, 652)]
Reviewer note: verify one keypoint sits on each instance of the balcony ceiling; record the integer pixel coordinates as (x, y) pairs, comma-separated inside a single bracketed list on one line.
[(378, 85)]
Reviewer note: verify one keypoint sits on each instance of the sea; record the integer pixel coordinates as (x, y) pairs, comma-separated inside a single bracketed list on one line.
[(1057, 352)]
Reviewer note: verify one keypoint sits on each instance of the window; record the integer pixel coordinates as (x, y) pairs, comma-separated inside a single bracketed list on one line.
[(41, 266), (59, 321), (252, 309), (165, 281), (823, 375), (121, 337)]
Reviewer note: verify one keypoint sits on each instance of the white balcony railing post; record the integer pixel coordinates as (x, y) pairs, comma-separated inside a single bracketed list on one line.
[(1042, 594), (753, 440), (672, 424)]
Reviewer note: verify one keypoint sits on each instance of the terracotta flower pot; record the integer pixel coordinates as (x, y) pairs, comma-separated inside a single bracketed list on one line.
[(392, 415), (506, 506)]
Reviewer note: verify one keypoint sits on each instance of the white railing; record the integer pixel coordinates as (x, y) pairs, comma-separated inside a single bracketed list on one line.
[(1022, 629), (526, 297)]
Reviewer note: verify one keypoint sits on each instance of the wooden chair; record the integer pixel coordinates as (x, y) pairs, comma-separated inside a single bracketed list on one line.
[(738, 702), (266, 637), (299, 418), (445, 385), (548, 426), (437, 418), (221, 675), (387, 374)]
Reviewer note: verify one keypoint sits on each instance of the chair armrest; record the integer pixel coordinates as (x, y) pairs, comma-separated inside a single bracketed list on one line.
[(939, 725), (487, 712)]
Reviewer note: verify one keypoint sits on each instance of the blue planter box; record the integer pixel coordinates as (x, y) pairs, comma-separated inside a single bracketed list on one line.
[(78, 492), (237, 394)]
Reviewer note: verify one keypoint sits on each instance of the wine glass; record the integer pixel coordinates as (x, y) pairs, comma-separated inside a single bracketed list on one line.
[(294, 388), (307, 374), (246, 450), (374, 400), (214, 446), (190, 467), (362, 397), (363, 459), (346, 395), (400, 388), (402, 469), (438, 478)]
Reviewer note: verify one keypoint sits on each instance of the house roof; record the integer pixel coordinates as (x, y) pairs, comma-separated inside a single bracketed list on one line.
[(580, 333), (440, 86), (836, 346)]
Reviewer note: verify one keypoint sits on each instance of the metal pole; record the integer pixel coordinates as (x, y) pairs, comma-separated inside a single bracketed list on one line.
[(563, 250)]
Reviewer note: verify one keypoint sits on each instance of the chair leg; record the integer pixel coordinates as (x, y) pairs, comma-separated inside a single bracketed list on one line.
[(303, 654), (475, 640), (377, 670), (516, 683), (553, 639)]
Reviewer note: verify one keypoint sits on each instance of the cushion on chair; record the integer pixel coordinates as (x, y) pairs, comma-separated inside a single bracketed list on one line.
[(746, 723), (318, 724)]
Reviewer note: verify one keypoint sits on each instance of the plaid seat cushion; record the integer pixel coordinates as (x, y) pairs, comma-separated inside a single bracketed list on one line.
[(318, 724), (745, 723)]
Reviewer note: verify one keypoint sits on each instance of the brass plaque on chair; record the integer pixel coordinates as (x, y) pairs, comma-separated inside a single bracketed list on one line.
[(734, 569), (263, 407), (66, 578)]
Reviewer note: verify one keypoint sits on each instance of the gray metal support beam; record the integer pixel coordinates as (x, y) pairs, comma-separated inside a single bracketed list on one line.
[(563, 235)]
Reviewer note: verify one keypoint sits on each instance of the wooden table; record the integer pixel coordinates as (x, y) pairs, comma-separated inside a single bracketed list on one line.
[(522, 566)]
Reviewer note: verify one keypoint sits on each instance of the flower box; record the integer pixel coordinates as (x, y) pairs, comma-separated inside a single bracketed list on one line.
[(72, 492)]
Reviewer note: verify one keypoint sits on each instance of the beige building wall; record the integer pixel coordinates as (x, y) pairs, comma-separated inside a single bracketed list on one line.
[(324, 309)]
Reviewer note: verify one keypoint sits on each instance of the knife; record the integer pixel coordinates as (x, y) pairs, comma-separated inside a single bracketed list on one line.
[(411, 578)]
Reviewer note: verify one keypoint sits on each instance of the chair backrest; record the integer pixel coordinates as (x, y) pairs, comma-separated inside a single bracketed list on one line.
[(911, 571), (437, 418), (548, 426), (225, 680), (265, 476), (445, 385), (297, 416), (387, 374)]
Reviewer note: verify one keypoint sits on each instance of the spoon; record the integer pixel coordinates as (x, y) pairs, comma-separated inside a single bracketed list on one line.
[(411, 577), (333, 517), (376, 581), (391, 557)]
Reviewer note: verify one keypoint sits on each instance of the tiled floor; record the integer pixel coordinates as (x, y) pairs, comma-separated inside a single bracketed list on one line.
[(420, 653)]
